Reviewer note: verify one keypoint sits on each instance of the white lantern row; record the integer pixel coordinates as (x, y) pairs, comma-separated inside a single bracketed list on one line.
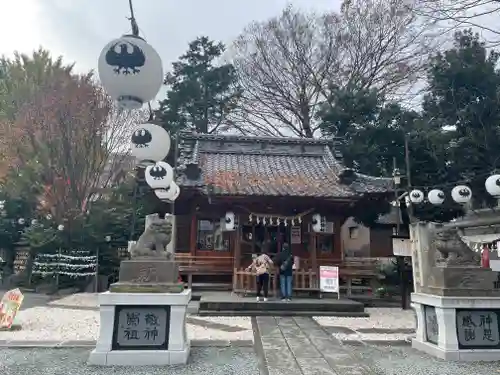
[(461, 194)]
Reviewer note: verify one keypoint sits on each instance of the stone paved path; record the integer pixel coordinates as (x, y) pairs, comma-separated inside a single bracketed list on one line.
[(299, 346)]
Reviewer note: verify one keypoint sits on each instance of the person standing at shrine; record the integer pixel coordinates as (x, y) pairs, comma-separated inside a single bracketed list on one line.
[(285, 261), (261, 266)]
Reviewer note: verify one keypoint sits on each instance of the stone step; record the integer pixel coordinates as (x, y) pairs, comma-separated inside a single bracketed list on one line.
[(282, 313)]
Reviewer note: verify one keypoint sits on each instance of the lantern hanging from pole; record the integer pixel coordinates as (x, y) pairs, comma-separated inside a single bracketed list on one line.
[(316, 223), (169, 194), (159, 176), (229, 221), (461, 194), (436, 197), (149, 144), (416, 196), (492, 185), (130, 71)]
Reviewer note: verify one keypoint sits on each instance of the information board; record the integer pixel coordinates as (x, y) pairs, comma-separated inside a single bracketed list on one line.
[(9, 306), (329, 279)]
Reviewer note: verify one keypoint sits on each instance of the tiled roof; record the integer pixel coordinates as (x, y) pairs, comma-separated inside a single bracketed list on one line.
[(236, 165)]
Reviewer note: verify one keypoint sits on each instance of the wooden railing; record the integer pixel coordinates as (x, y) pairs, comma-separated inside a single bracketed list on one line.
[(190, 265), (306, 278), (245, 282)]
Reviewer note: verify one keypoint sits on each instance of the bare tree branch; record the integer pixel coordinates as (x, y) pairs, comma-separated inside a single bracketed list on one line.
[(274, 61), (453, 14)]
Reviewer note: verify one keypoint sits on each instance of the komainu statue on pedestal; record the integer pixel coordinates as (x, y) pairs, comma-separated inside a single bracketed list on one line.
[(451, 250), (153, 242)]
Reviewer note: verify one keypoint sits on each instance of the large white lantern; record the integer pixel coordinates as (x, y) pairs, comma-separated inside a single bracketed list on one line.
[(436, 197), (150, 143), (169, 194), (461, 194), (416, 196), (159, 176), (492, 185), (131, 71)]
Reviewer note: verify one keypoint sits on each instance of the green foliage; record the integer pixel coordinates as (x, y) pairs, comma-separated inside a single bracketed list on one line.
[(464, 93), (22, 76), (200, 94)]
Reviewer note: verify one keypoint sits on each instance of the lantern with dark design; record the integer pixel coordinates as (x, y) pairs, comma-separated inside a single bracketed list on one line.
[(436, 197), (416, 196), (461, 194), (229, 223), (169, 194), (131, 71), (149, 143), (159, 176), (492, 185), (316, 223)]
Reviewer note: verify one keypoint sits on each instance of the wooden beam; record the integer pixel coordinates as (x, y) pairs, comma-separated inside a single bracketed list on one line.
[(192, 233)]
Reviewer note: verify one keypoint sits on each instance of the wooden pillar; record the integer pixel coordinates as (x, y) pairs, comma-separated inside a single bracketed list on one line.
[(312, 251), (337, 237), (237, 246), (192, 234)]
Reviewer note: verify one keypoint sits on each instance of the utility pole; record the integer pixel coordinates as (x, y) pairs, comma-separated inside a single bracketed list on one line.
[(403, 284)]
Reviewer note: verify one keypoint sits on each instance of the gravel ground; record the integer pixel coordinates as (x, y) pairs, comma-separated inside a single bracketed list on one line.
[(213, 361), (50, 323), (405, 360), (381, 318)]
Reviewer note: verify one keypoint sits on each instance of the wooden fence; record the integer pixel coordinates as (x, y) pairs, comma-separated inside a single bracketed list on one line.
[(245, 282)]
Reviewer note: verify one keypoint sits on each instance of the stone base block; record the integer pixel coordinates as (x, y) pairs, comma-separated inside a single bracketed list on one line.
[(140, 357), (124, 313), (462, 281), (149, 271), (457, 328), (124, 287)]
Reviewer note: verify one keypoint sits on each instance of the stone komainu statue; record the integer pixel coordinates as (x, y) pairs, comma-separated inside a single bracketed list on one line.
[(450, 250), (153, 242)]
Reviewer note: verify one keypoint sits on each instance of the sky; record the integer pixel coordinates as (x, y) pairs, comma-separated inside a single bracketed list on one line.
[(79, 29)]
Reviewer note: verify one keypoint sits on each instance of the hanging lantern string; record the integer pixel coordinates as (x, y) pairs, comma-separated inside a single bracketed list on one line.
[(454, 183), (135, 32), (133, 21)]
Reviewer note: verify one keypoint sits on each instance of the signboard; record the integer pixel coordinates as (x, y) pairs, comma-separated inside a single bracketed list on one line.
[(478, 329), (295, 235), (141, 327), (329, 279), (401, 247), (431, 324), (9, 306)]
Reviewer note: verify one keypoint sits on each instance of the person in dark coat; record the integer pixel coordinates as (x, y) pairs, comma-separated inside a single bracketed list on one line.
[(284, 260)]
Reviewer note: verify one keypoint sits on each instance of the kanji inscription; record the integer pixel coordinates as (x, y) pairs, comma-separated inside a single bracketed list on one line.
[(478, 328), (142, 326), (431, 324)]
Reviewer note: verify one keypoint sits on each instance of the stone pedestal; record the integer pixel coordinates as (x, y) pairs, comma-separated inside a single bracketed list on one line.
[(148, 275), (464, 328), (142, 329)]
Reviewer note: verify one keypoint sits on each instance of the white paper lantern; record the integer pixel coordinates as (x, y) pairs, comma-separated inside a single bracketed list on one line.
[(21, 221), (169, 194), (492, 185), (159, 176), (131, 71), (436, 197), (461, 194), (150, 143), (60, 227), (416, 196)]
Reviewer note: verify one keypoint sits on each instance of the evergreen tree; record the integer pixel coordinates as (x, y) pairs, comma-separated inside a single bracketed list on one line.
[(200, 93), (464, 89)]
